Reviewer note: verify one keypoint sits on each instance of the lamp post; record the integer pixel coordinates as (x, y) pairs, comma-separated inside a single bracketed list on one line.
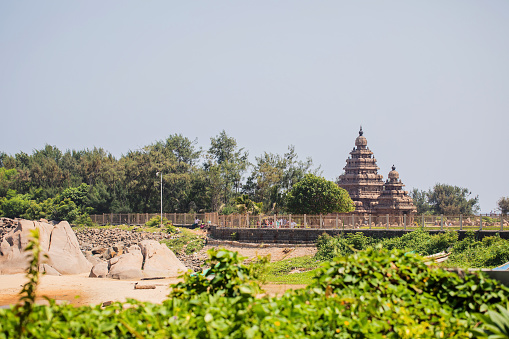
[(160, 173)]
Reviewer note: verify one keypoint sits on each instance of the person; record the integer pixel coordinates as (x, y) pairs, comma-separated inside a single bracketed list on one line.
[(197, 222)]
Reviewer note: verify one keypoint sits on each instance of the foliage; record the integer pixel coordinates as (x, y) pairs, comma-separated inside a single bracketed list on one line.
[(227, 277), (467, 253), (316, 195), (186, 241), (411, 296), (298, 270), (503, 205), (452, 200), (496, 324), (28, 292), (193, 179), (246, 205), (490, 252), (420, 200), (371, 294), (7, 177), (156, 221), (273, 175)]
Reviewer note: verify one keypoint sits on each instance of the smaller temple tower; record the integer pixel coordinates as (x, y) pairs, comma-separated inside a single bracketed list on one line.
[(393, 200), (361, 179)]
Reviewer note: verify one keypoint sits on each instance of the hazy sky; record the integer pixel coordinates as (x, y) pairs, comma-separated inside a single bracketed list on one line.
[(428, 81)]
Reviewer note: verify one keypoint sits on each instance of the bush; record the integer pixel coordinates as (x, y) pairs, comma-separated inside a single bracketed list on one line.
[(371, 294), (156, 221)]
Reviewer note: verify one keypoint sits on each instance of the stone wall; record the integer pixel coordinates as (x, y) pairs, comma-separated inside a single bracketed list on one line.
[(296, 236)]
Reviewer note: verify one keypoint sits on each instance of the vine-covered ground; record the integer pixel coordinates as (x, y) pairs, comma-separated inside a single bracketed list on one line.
[(374, 293)]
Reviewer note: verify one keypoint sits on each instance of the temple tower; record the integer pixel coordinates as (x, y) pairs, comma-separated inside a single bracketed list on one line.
[(361, 178), (393, 200)]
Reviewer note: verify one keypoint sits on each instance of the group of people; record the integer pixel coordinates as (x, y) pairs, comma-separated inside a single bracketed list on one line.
[(269, 223)]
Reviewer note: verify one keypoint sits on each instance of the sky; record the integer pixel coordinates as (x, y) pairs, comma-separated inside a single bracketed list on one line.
[(428, 81)]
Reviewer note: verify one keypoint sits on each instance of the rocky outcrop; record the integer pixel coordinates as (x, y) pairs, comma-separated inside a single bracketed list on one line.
[(101, 244), (148, 260), (57, 241), (93, 239), (159, 260), (128, 265)]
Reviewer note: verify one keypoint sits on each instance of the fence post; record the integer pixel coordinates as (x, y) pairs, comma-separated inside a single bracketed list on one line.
[(404, 220), (290, 217), (321, 220), (501, 222), (441, 222), (422, 217), (387, 219), (337, 221), (480, 222), (305, 222), (370, 221), (461, 222), (353, 221)]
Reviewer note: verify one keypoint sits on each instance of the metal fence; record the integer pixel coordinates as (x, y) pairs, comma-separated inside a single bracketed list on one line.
[(329, 221), (142, 218)]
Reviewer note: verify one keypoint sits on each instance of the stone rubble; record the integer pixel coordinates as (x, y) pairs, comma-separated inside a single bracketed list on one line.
[(101, 244)]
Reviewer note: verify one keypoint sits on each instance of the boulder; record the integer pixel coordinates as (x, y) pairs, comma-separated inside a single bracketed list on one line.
[(160, 261), (64, 251), (127, 265), (57, 241), (99, 270)]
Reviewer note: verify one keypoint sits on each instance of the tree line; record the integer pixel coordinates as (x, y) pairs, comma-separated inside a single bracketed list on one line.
[(219, 178), (50, 183)]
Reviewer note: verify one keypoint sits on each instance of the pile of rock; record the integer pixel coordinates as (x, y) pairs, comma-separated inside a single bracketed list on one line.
[(195, 261), (102, 244), (6, 225), (91, 239), (149, 259)]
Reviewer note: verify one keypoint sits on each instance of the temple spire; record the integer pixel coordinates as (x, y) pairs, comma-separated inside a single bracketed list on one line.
[(360, 131)]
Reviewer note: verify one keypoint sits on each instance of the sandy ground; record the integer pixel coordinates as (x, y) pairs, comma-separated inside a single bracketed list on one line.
[(82, 290)]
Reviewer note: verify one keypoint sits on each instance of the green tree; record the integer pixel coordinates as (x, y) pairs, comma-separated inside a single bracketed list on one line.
[(420, 199), (503, 205), (316, 195), (230, 162), (273, 175), (452, 200)]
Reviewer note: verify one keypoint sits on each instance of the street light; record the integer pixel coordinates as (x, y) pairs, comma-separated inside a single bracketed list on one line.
[(161, 196)]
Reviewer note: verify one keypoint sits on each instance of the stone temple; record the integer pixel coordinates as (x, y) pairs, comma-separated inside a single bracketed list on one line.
[(366, 187)]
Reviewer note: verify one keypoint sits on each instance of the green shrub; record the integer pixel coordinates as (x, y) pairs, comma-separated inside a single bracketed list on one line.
[(370, 294), (156, 221)]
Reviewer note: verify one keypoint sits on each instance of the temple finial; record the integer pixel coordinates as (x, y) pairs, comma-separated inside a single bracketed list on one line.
[(393, 167), (360, 131)]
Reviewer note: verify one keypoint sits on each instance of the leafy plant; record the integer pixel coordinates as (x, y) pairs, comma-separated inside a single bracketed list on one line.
[(495, 325), (227, 276), (156, 221), (28, 292), (185, 241)]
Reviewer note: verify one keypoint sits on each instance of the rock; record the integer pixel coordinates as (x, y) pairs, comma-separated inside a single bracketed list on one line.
[(93, 259), (99, 270), (160, 261), (128, 265), (57, 241), (49, 270), (64, 251)]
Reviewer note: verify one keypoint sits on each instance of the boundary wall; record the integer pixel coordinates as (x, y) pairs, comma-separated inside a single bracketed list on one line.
[(296, 236)]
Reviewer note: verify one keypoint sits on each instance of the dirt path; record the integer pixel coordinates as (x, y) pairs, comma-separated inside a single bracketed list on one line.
[(251, 251)]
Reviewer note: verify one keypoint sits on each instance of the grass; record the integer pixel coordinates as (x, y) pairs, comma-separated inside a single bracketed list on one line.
[(279, 272), (186, 241)]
